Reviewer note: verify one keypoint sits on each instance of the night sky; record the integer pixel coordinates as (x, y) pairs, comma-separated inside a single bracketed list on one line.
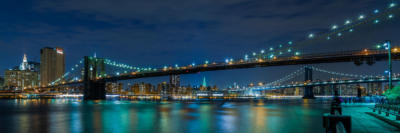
[(168, 32)]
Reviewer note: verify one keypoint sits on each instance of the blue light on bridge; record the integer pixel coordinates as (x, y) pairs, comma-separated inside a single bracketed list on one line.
[(361, 17), (376, 21), (271, 56), (311, 35), (376, 11), (347, 22), (334, 27), (390, 16), (392, 5)]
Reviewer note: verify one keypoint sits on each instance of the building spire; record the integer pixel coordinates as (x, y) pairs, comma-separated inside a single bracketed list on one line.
[(24, 64), (25, 59), (204, 82)]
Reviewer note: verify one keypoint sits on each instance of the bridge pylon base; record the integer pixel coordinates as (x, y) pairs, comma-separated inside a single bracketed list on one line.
[(308, 93), (95, 91)]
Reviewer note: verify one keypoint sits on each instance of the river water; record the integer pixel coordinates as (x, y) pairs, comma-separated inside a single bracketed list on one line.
[(75, 116)]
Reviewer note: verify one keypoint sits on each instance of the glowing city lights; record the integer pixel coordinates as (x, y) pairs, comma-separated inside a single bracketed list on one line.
[(311, 35), (392, 5), (361, 17), (334, 27), (347, 22), (390, 16)]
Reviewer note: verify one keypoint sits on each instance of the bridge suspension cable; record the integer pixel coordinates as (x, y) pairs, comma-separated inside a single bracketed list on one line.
[(71, 71), (335, 31), (286, 78), (302, 70), (344, 74)]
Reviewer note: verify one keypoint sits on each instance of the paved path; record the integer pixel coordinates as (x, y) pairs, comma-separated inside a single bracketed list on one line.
[(364, 123)]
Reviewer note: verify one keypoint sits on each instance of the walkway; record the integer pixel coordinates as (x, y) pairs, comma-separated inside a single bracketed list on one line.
[(364, 123)]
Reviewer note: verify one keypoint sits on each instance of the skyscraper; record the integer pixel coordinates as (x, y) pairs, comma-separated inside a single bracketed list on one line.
[(52, 64), (174, 81)]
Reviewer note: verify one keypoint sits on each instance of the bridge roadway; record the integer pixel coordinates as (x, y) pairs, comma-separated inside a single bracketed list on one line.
[(334, 57), (345, 56), (322, 83)]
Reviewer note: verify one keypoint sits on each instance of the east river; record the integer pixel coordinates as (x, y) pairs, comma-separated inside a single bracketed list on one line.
[(114, 116)]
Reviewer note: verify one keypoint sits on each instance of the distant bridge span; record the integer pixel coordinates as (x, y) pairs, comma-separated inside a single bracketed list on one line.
[(323, 83), (334, 57), (345, 56)]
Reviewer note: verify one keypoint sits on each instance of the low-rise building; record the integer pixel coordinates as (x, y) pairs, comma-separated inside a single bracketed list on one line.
[(22, 77)]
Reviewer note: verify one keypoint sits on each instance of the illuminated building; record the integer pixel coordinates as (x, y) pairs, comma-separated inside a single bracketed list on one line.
[(374, 89), (164, 88), (174, 81), (143, 89), (22, 77), (52, 64), (214, 88), (114, 88), (1, 82)]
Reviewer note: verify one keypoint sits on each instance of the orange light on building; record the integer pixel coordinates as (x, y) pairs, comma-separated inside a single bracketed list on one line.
[(395, 50)]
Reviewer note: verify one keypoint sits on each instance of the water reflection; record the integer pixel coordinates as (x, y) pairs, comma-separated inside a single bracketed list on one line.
[(77, 116)]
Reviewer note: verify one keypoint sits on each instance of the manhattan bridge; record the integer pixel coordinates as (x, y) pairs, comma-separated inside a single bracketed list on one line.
[(93, 72)]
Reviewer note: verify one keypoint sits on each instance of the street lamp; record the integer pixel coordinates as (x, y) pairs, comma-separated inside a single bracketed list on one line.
[(388, 43)]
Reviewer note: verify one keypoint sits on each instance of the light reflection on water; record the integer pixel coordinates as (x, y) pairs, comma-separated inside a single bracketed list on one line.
[(76, 116)]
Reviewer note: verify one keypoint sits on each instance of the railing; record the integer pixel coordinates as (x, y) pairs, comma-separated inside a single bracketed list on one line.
[(388, 107)]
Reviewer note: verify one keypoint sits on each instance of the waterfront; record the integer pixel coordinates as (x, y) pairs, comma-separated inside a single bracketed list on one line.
[(58, 115)]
